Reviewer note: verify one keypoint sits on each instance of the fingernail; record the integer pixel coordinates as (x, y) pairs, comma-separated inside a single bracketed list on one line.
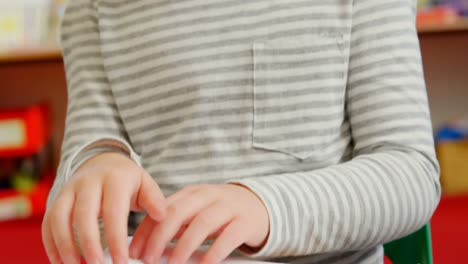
[(70, 260), (133, 252), (173, 261), (120, 260), (160, 215), (159, 218), (148, 259)]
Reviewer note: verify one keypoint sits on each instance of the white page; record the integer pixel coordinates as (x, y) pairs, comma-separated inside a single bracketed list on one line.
[(193, 260)]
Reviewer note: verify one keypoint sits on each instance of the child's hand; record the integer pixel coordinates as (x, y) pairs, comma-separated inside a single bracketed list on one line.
[(106, 186), (231, 214)]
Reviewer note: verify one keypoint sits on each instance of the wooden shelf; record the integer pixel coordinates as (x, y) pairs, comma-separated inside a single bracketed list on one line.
[(460, 25), (39, 53)]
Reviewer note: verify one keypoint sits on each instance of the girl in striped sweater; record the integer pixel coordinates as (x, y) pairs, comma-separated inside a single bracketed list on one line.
[(294, 131)]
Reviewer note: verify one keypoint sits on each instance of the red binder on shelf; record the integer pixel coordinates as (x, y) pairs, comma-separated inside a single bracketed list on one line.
[(23, 131), (25, 135), (20, 205)]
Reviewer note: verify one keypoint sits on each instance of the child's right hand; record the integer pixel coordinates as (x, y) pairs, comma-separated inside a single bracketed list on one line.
[(107, 186)]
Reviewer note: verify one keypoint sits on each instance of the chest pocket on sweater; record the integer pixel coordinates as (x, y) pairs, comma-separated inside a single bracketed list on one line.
[(299, 91)]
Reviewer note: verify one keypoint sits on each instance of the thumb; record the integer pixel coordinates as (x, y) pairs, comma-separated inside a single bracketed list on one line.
[(150, 198)]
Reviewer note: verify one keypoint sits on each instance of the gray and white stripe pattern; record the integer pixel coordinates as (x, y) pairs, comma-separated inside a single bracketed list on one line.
[(319, 107)]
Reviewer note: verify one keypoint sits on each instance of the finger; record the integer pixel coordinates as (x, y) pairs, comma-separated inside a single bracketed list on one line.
[(181, 231), (211, 236), (186, 193), (85, 222), (144, 230), (176, 216), (140, 237), (205, 223), (189, 190), (48, 241), (61, 227), (233, 236), (115, 210), (150, 198)]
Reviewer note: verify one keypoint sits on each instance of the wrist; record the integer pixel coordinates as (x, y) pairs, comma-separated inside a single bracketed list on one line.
[(99, 159), (260, 216)]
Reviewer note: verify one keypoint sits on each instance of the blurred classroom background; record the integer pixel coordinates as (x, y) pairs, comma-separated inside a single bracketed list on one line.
[(33, 105)]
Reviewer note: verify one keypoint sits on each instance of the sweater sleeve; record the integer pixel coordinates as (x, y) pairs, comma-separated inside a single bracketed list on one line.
[(92, 124), (390, 187)]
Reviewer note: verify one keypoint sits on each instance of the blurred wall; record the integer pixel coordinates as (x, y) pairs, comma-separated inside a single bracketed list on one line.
[(445, 57)]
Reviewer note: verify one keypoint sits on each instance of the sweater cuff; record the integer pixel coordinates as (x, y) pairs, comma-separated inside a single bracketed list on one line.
[(95, 147), (273, 246)]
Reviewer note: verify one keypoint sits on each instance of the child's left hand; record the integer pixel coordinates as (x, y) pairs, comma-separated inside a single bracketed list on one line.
[(231, 214)]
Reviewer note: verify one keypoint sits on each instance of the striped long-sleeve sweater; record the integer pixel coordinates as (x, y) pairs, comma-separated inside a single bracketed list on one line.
[(319, 107)]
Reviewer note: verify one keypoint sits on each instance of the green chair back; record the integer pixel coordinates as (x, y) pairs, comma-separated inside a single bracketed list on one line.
[(413, 249)]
